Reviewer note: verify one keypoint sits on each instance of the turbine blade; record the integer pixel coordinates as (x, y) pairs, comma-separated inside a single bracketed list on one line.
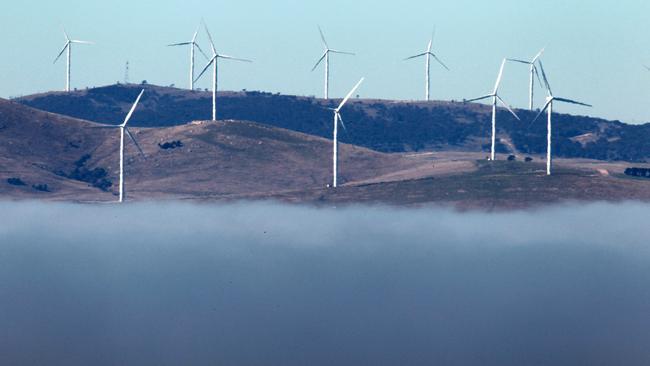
[(440, 62), (196, 33), (105, 127), (538, 55), (135, 142), (347, 97), (205, 68), (508, 108), (500, 77), (207, 31), (646, 67), (343, 52), (319, 61), (548, 103), (128, 116), (322, 37), (564, 100), (433, 36), (65, 34), (417, 56), (537, 75), (480, 98), (81, 42), (61, 53), (179, 44), (546, 83), (233, 58), (341, 120), (201, 50), (519, 61)]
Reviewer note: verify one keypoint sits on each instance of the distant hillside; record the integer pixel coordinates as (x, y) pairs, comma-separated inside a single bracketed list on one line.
[(44, 155), (380, 125)]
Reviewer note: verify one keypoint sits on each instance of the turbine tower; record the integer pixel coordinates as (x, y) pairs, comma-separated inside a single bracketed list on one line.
[(68, 47), (326, 58), (337, 119), (214, 61), (533, 73), (428, 54), (125, 130), (495, 100), (193, 45), (548, 107)]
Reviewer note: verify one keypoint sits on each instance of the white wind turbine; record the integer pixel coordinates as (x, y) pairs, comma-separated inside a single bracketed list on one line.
[(533, 73), (68, 47), (548, 107), (192, 45), (214, 61), (337, 119), (125, 130), (428, 54), (326, 57), (495, 100)]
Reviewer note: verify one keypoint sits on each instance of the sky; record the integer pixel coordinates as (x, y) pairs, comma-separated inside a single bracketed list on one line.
[(270, 284), (595, 50)]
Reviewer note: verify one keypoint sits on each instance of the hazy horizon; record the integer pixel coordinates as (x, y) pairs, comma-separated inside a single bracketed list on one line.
[(595, 52)]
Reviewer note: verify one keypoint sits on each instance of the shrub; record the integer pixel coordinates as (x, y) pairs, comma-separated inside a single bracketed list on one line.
[(16, 182), (41, 187)]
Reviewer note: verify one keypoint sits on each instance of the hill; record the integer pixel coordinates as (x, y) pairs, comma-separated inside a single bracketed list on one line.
[(385, 126), (45, 155), (52, 157)]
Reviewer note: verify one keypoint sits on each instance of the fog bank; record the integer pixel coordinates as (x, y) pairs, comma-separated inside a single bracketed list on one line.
[(267, 284)]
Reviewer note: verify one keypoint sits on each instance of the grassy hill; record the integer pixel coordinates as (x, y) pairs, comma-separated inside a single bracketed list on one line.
[(386, 126), (80, 162), (52, 157)]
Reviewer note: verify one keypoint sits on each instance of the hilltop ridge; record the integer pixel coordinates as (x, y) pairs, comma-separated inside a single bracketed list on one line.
[(381, 125)]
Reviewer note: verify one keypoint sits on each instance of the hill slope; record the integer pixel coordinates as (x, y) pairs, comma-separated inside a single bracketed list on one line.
[(78, 161), (385, 126)]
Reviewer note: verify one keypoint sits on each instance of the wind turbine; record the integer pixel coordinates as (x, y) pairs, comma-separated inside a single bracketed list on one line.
[(337, 119), (214, 61), (125, 130), (326, 57), (192, 45), (68, 47), (533, 73), (548, 107), (428, 54), (495, 100)]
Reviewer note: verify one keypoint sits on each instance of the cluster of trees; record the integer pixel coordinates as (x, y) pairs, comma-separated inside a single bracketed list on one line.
[(97, 177), (171, 145), (638, 172), (20, 183), (382, 126)]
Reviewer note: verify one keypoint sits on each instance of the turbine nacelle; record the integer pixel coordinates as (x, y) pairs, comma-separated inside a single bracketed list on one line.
[(551, 99), (216, 55), (124, 127), (495, 94), (68, 43), (191, 43), (328, 50)]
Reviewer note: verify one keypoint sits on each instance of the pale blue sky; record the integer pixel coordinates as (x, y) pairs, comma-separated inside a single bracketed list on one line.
[(595, 49)]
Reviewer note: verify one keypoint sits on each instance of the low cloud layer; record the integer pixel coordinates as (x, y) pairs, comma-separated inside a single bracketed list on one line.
[(266, 284)]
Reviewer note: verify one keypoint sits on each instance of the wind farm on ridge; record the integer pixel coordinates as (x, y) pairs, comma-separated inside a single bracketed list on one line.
[(419, 165)]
